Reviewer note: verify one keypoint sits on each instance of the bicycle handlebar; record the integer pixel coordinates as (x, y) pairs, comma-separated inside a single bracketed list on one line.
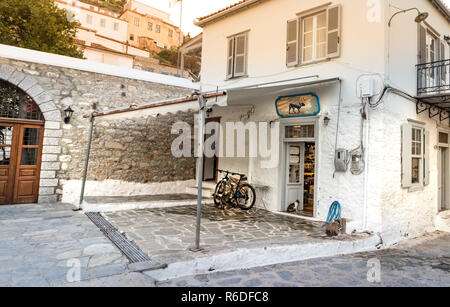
[(231, 173)]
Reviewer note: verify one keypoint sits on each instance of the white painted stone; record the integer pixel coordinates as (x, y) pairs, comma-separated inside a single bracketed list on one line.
[(27, 83), (52, 125), (46, 191), (43, 98), (48, 174), (6, 71), (47, 199), (49, 158), (51, 166), (65, 158), (53, 116), (51, 149), (48, 106), (51, 141), (16, 77), (35, 90), (53, 133), (49, 182)]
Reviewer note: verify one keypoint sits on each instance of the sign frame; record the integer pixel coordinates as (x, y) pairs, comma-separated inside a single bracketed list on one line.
[(301, 115)]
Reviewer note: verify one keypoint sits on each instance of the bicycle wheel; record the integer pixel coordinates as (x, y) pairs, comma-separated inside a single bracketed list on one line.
[(246, 197), (219, 191)]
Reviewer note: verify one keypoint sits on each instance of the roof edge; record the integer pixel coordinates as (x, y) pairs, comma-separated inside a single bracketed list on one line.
[(234, 9), (441, 8)]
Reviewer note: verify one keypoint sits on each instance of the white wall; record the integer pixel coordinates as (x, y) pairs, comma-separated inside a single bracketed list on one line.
[(376, 202), (108, 58)]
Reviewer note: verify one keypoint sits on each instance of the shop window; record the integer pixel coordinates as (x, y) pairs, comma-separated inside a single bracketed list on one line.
[(299, 132), (415, 156)]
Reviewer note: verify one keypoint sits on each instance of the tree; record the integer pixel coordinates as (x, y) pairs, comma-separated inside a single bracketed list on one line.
[(38, 25)]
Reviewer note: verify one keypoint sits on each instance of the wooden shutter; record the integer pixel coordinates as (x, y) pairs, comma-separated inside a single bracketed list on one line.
[(444, 67), (422, 45), (426, 174), (406, 155), (334, 31), (230, 58), (240, 55), (292, 45)]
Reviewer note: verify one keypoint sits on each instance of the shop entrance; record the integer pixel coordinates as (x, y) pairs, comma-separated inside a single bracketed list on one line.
[(300, 162)]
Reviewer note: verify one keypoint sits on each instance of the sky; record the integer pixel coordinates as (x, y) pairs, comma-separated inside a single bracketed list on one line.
[(196, 8)]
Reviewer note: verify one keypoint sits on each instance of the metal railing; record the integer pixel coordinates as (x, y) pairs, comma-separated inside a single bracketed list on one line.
[(433, 78)]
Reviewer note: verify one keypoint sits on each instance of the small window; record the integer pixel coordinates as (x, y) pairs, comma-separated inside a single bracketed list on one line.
[(299, 132), (116, 26), (158, 29), (415, 156), (150, 26), (237, 56), (89, 19), (136, 21), (170, 33), (103, 23), (131, 37)]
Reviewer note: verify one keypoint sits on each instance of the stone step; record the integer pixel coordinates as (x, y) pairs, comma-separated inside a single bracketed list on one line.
[(207, 189)]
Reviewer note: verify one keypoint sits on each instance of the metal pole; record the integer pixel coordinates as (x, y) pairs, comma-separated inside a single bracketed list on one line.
[(179, 39), (202, 102), (86, 162)]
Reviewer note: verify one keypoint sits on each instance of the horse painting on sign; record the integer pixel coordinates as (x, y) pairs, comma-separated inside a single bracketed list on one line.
[(298, 105)]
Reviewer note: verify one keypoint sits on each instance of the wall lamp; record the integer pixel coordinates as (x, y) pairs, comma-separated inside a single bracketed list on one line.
[(326, 121), (420, 17), (447, 39), (68, 115)]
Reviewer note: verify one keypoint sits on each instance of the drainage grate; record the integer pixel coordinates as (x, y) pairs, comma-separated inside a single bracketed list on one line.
[(131, 251)]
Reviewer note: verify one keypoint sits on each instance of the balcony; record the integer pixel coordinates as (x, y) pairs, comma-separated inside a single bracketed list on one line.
[(433, 89), (433, 79)]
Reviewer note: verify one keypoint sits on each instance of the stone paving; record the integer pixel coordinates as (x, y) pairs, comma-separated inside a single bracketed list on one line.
[(422, 262), (37, 242), (139, 198), (165, 233)]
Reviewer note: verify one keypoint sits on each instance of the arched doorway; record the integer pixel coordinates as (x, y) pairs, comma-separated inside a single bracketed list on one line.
[(21, 139)]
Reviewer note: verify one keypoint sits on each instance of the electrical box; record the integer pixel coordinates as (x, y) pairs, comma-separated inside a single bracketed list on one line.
[(341, 160), (367, 88)]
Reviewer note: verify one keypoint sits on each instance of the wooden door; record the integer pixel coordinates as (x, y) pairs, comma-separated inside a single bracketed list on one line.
[(211, 164), (8, 136), (28, 164)]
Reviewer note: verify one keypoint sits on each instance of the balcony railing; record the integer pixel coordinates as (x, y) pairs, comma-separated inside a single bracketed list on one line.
[(433, 78)]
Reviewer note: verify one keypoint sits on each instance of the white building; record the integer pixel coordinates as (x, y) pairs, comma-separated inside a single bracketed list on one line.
[(102, 34), (293, 54)]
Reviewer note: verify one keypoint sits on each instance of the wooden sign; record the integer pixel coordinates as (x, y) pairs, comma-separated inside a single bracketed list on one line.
[(298, 105)]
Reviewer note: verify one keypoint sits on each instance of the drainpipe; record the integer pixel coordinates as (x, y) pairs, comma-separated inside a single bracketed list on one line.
[(202, 103), (86, 162)]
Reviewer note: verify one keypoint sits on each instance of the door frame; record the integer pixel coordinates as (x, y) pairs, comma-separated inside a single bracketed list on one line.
[(17, 139), (439, 159), (313, 120)]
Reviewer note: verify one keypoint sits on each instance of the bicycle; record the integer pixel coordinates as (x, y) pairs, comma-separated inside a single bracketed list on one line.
[(235, 192)]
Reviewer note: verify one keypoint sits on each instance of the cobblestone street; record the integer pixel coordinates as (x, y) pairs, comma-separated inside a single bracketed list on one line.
[(421, 262), (40, 243)]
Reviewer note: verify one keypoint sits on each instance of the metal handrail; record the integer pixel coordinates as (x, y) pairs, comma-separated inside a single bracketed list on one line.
[(433, 78)]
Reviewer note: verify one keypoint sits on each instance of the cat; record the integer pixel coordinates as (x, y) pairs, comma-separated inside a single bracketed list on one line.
[(293, 207)]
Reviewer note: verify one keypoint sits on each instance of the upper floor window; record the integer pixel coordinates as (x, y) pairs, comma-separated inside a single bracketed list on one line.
[(89, 19), (314, 36), (150, 26), (116, 26), (237, 55), (170, 33), (158, 29), (136, 21), (131, 37), (103, 23)]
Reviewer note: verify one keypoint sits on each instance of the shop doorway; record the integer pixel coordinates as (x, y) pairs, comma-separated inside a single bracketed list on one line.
[(300, 176), (444, 172), (211, 164)]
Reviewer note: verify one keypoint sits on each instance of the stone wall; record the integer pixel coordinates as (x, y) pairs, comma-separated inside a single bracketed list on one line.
[(124, 149)]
